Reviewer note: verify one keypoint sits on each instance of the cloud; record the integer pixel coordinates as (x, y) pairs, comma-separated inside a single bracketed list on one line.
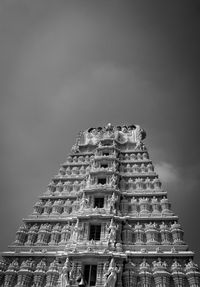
[(167, 172)]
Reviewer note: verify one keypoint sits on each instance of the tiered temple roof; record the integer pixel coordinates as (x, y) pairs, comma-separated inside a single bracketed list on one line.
[(104, 220)]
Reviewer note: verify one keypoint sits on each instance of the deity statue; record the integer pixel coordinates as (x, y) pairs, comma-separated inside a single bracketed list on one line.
[(83, 202), (112, 231), (112, 202), (111, 274), (139, 145), (113, 180), (66, 274), (88, 182), (76, 229)]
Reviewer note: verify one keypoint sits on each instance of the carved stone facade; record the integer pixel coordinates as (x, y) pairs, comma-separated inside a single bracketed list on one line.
[(104, 220)]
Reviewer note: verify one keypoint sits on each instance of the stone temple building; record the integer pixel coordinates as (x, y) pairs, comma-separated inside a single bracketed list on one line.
[(104, 220)]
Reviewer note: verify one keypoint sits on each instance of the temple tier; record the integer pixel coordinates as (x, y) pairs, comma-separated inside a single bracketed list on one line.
[(104, 220)]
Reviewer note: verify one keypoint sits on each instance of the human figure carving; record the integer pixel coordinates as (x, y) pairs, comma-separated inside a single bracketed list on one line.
[(113, 180), (112, 202), (66, 274), (112, 231), (76, 230), (83, 202), (111, 274)]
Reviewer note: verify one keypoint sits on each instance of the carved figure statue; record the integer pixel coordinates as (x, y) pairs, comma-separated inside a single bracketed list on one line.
[(83, 202), (112, 202), (88, 180), (76, 230), (66, 274), (113, 180), (112, 231), (139, 145), (111, 274)]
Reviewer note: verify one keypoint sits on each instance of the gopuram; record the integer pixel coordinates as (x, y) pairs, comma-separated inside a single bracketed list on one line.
[(103, 221)]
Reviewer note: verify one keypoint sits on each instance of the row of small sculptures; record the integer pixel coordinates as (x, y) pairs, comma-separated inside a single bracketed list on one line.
[(46, 232), (81, 204), (84, 170), (136, 168), (133, 133), (68, 232), (67, 274), (124, 184), (137, 156), (68, 206)]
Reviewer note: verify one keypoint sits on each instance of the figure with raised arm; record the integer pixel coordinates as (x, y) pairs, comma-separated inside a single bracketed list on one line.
[(66, 274), (111, 274)]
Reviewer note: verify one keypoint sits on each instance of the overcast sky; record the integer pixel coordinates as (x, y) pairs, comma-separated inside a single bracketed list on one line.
[(69, 65)]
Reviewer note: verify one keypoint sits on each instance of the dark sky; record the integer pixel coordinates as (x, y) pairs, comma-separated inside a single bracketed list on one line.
[(69, 65)]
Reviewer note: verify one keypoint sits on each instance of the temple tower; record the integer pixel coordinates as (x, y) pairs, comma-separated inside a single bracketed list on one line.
[(104, 220)]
